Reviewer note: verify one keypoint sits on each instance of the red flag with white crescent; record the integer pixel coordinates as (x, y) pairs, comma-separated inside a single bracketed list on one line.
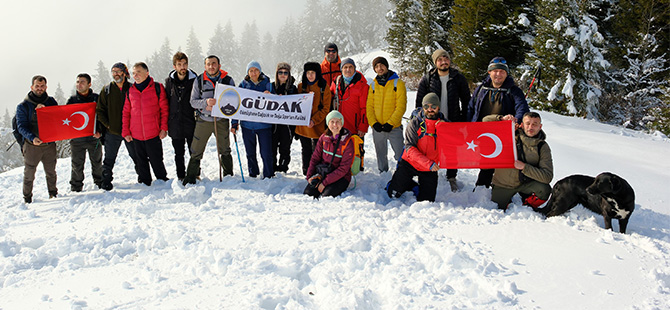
[(484, 145), (64, 122)]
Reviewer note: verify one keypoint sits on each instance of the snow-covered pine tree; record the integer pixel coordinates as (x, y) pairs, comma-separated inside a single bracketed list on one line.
[(222, 44), (194, 52), (288, 45), (268, 58), (339, 26), (160, 64), (568, 45), (7, 119), (101, 77), (483, 29), (400, 36), (430, 34), (310, 34), (249, 48), (59, 95)]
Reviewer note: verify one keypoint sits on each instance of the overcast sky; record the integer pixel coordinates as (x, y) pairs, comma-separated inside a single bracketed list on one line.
[(60, 39)]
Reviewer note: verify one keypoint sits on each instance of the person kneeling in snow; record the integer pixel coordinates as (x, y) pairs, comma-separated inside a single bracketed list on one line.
[(329, 171), (534, 169), (420, 155)]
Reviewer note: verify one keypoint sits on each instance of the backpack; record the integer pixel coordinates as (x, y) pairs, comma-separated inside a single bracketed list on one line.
[(395, 85), (15, 130), (357, 164)]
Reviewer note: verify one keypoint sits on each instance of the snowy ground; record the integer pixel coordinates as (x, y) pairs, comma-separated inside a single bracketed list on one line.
[(263, 245)]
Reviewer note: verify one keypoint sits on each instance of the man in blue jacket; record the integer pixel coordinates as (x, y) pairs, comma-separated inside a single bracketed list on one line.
[(497, 95), (34, 150)]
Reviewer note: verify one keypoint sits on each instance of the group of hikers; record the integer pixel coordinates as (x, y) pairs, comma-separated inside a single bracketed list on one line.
[(344, 106)]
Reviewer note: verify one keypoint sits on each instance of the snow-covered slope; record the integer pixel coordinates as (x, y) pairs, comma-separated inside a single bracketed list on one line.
[(263, 245)]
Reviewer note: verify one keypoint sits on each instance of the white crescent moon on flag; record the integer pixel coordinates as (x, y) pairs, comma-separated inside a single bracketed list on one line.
[(497, 141), (85, 120)]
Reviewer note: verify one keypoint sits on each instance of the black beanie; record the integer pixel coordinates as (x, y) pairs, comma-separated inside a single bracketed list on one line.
[(330, 45), (380, 60)]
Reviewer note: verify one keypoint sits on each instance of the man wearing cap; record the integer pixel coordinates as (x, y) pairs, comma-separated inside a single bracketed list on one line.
[(350, 95), (497, 95), (202, 101), (421, 156), (452, 89), (109, 111), (387, 101), (330, 67)]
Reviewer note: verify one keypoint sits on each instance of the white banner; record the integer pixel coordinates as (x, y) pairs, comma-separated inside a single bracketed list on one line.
[(250, 105)]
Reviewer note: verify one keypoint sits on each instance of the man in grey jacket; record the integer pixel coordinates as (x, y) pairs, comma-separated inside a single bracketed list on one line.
[(202, 101)]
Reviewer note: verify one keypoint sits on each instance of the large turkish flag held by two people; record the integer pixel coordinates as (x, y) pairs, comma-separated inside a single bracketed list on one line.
[(64, 122), (484, 145)]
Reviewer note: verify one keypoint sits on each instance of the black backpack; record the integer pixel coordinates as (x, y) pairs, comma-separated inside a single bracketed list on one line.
[(15, 130)]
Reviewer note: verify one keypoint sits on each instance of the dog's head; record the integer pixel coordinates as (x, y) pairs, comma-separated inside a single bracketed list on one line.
[(605, 183)]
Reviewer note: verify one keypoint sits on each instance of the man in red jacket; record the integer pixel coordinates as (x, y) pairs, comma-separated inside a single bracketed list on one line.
[(145, 116), (421, 155), (330, 66)]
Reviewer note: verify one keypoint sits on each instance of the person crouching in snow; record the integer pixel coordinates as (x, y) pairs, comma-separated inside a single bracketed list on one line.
[(329, 171), (421, 155)]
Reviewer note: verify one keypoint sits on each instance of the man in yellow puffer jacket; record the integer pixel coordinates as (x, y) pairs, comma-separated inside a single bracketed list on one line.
[(387, 100)]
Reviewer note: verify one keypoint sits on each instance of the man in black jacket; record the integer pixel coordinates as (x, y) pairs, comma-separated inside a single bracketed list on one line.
[(452, 88), (181, 122), (80, 146), (34, 150)]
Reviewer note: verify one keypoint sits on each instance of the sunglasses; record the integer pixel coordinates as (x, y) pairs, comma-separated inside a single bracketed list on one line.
[(428, 106), (331, 51), (282, 72), (499, 61)]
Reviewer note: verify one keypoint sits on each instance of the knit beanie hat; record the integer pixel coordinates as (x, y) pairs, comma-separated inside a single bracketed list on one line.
[(334, 114), (330, 45), (254, 64), (122, 66), (381, 60), (347, 61), (439, 53), (498, 63), (432, 99)]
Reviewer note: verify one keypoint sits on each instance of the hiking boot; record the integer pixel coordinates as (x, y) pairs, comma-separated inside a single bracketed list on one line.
[(75, 189), (453, 185), (28, 199), (188, 180), (533, 201), (53, 196), (107, 186)]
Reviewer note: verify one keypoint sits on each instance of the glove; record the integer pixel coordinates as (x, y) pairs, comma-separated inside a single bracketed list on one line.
[(387, 127), (377, 127)]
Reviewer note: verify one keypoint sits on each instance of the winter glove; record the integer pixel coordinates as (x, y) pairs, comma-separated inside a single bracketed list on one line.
[(377, 127), (387, 127)]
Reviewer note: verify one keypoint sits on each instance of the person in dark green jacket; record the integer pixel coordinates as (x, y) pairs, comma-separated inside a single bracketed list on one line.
[(109, 112), (533, 170)]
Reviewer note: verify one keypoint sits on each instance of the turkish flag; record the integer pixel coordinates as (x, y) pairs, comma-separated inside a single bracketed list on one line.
[(484, 145), (68, 121)]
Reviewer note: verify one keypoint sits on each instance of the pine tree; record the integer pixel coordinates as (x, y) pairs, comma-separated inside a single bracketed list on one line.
[(286, 50), (339, 27), (430, 35), (483, 29), (101, 78), (267, 59), (160, 63), (311, 37), (400, 34), (222, 44), (568, 47), (194, 51), (250, 47), (7, 119), (59, 95)]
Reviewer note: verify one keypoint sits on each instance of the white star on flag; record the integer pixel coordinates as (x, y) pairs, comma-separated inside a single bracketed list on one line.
[(66, 122), (471, 145)]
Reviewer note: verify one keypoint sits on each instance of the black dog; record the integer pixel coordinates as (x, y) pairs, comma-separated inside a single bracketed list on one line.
[(606, 194)]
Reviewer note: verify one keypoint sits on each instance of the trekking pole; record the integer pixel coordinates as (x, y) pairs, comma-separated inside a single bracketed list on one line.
[(536, 76), (218, 154), (238, 156), (10, 146)]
